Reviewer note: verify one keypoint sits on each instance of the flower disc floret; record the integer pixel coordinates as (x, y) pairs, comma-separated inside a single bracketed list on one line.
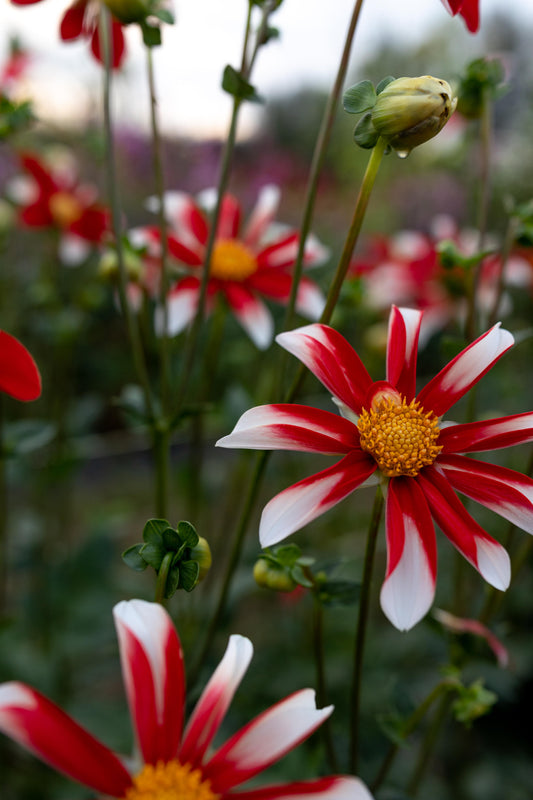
[(232, 261), (170, 781), (65, 209), (400, 436)]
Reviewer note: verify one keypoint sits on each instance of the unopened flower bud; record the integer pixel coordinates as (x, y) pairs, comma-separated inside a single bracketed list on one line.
[(271, 576), (128, 11), (202, 554), (108, 266), (409, 111)]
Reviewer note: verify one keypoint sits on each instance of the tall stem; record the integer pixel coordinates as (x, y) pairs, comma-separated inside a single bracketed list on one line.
[(428, 746), (362, 620), (321, 691), (3, 516)]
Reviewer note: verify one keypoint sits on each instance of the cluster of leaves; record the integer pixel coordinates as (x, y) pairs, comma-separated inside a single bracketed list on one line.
[(361, 99)]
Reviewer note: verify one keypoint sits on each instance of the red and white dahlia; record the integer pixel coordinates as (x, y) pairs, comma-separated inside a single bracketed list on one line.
[(248, 262), (468, 10), (19, 375), (81, 20), (173, 765), (388, 428), (50, 195)]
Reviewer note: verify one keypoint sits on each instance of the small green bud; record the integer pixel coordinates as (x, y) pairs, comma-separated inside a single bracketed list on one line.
[(108, 265), (202, 554), (128, 11), (271, 576), (409, 111)]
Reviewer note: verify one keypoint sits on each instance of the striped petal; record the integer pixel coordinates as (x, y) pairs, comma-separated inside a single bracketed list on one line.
[(409, 588), (332, 360), (335, 787), (262, 215), (402, 346), (152, 667), (292, 427), (504, 491), (265, 740), (230, 218), (480, 549), (488, 434), (182, 303), (305, 501), (465, 370), (310, 300), (186, 218), (43, 728), (215, 700), (252, 314), (279, 254), (19, 376)]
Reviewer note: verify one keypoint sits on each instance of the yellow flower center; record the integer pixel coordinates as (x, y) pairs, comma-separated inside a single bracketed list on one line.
[(400, 436), (65, 209), (232, 261), (170, 781)]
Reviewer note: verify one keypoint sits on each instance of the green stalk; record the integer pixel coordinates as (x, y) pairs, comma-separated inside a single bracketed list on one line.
[(362, 620), (428, 745), (3, 516), (162, 576), (321, 691)]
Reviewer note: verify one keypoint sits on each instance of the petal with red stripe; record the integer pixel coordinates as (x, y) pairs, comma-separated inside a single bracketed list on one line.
[(43, 728), (334, 787), (152, 666), (262, 215), (488, 434), (402, 346), (252, 314), (230, 218)]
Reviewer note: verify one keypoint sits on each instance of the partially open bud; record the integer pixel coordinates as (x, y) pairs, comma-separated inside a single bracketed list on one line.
[(272, 576), (202, 554), (409, 111)]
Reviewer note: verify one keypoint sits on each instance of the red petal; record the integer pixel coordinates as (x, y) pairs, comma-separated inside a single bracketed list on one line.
[(230, 218), (489, 434), (402, 346), (19, 376), (71, 26), (118, 44), (92, 224)]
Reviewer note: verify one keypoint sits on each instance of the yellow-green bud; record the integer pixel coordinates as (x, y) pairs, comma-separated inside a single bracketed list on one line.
[(202, 554), (108, 265), (7, 216), (271, 576), (409, 111), (128, 11)]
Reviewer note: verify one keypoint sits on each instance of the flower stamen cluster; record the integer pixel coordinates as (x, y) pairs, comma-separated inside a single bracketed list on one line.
[(400, 436), (170, 781), (232, 261)]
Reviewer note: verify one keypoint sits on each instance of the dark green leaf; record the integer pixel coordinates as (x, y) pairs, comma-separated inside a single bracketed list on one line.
[(299, 576), (154, 529), (171, 539), (173, 581), (132, 557), (287, 554), (233, 83), (365, 134), (153, 554), (384, 83), (359, 98), (189, 573), (187, 533), (151, 35)]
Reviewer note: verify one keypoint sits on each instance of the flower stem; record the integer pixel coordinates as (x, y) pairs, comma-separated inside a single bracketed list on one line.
[(162, 576), (321, 692), (362, 619), (428, 745), (3, 516)]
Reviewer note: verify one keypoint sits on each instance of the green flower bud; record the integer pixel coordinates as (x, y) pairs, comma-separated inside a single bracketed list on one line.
[(128, 11), (271, 576), (108, 265), (409, 111), (202, 554)]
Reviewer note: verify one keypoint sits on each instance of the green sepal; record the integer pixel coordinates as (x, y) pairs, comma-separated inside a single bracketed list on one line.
[(299, 577), (153, 553), (365, 135), (173, 581), (187, 533), (151, 34), (359, 98), (287, 554), (133, 559), (164, 14), (384, 83), (233, 83), (171, 539), (154, 529), (189, 574)]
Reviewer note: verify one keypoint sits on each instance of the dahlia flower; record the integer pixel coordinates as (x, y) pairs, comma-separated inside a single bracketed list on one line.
[(468, 10), (81, 20), (247, 262), (51, 196), (389, 429), (173, 765), (19, 376)]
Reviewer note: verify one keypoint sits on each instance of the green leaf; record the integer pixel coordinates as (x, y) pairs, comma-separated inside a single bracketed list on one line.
[(151, 34), (171, 539), (154, 529), (133, 558), (164, 15), (233, 83), (359, 98), (384, 83), (299, 576), (153, 554), (189, 573), (365, 134), (288, 554), (173, 581), (188, 533)]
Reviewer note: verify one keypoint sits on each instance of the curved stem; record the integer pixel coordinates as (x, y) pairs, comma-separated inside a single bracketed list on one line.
[(321, 691), (162, 576), (362, 619)]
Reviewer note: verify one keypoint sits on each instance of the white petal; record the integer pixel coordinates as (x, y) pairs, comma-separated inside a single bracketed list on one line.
[(494, 564)]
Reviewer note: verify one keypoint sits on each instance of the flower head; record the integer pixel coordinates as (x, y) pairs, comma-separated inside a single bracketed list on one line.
[(173, 765), (19, 375), (387, 428), (248, 262)]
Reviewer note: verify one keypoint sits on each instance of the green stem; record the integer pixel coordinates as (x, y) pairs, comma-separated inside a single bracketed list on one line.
[(362, 619), (3, 516), (321, 691), (162, 576), (510, 234), (163, 228), (407, 729), (428, 745), (161, 446), (354, 230), (116, 217)]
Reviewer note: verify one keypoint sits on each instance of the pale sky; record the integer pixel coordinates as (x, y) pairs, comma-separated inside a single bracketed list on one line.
[(207, 36)]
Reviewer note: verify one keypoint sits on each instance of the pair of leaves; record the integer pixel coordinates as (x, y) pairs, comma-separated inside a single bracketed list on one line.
[(361, 99)]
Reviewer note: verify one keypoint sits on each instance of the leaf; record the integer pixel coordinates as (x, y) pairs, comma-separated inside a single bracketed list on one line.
[(384, 83), (359, 98), (365, 134), (299, 576), (173, 581), (133, 558), (233, 83), (154, 529), (188, 533), (189, 574), (287, 554), (153, 554), (171, 539), (151, 34), (165, 15)]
